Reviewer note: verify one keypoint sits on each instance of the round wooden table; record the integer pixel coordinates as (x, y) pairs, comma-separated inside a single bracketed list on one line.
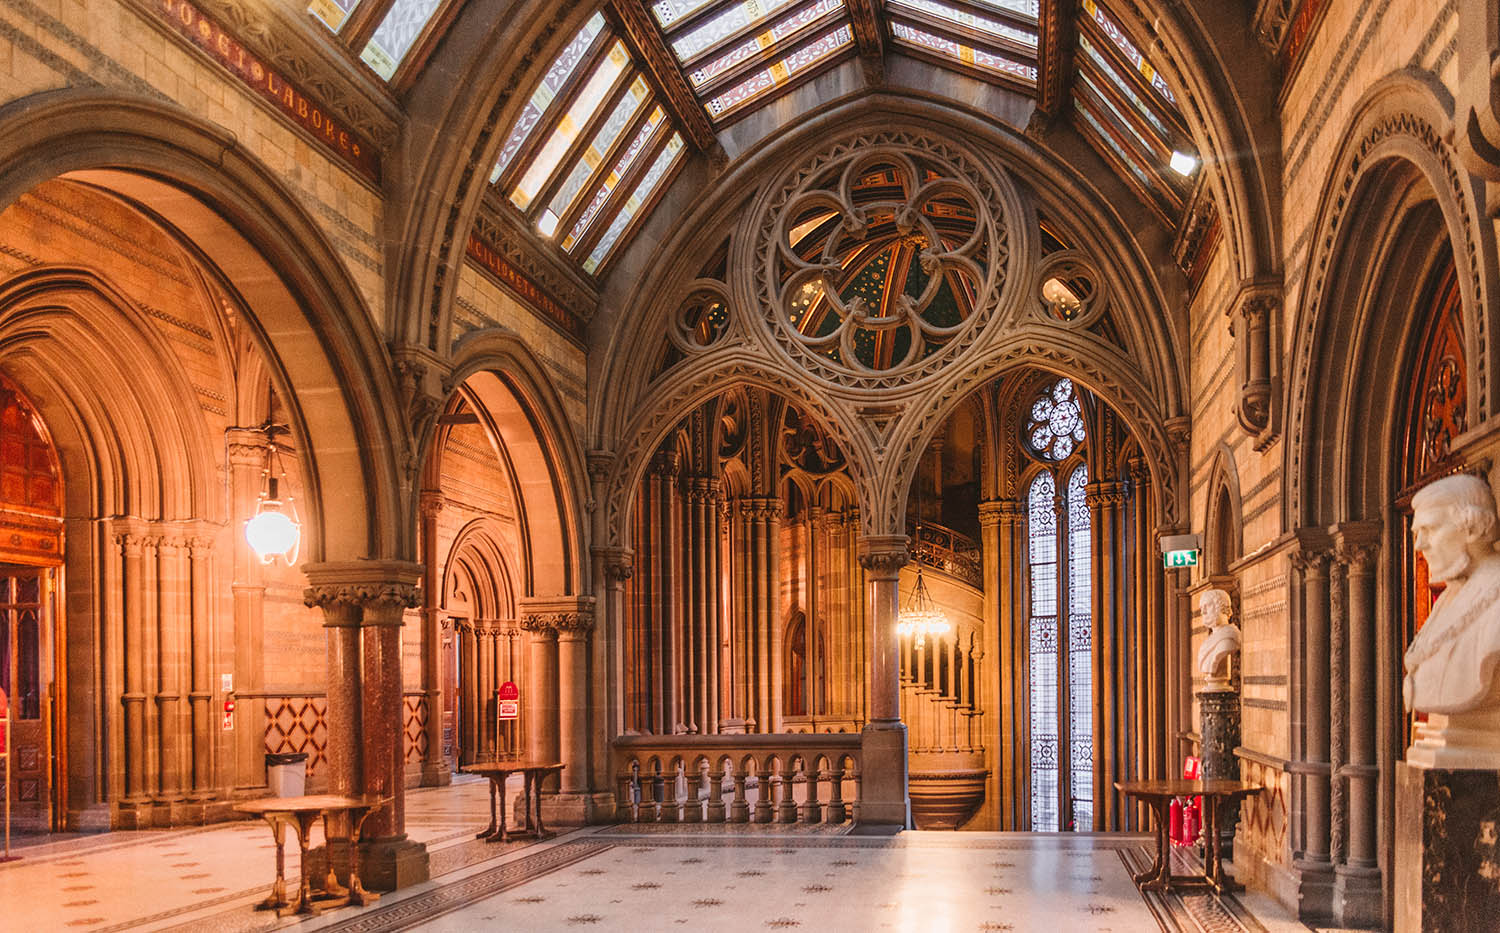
[(1158, 796), (532, 775)]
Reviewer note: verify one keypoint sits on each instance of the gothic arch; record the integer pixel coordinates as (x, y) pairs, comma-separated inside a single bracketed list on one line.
[(1395, 173), (1223, 522), (512, 391), (478, 550), (270, 256)]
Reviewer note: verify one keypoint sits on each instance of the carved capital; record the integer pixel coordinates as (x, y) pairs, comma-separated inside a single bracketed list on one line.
[(430, 502), (1000, 512), (557, 613), (1357, 545), (380, 588), (247, 446), (884, 555), (619, 563)]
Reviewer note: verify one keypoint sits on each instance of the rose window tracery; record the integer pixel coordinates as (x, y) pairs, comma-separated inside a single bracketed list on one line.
[(1055, 428), (883, 260)]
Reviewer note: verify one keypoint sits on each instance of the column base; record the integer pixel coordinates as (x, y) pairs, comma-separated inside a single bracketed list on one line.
[(1357, 898), (95, 818), (1447, 865), (1254, 869), (389, 864), (578, 809), (883, 797), (1313, 891), (436, 774)]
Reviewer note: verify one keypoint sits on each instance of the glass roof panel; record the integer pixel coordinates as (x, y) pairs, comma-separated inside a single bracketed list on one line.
[(612, 180), (965, 18), (643, 192), (670, 11), (599, 147), (1114, 147), (585, 105), (964, 53), (562, 69), (332, 12), (720, 27), (1119, 118), (781, 72), (778, 32), (1120, 84), (1117, 35), (1020, 7), (396, 35)]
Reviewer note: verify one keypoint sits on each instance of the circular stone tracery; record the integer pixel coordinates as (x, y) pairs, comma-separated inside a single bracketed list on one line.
[(1055, 428), (881, 260)]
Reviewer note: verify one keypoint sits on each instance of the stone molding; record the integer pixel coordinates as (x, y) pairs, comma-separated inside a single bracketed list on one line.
[(383, 586), (557, 614), (884, 555)]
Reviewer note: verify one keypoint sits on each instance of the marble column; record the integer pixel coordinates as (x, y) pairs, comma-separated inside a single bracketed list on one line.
[(559, 630), (883, 740), (539, 703), (365, 703), (434, 765)]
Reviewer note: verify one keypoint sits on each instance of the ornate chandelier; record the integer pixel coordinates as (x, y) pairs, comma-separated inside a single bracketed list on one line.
[(921, 617)]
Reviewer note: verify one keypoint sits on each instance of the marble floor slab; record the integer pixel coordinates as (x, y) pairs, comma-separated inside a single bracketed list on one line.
[(625, 878)]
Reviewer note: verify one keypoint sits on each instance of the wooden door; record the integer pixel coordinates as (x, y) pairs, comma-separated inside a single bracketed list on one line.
[(26, 644), (449, 675)]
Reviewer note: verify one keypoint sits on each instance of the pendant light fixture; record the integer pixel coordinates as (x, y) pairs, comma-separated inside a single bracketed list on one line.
[(274, 530), (921, 617)]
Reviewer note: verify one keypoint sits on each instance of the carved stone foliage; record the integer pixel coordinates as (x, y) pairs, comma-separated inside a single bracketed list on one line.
[(883, 258)]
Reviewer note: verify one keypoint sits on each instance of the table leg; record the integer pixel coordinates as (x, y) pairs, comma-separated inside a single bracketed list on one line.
[(1162, 867), (277, 898), (1213, 868), (357, 894), (492, 828), (303, 904), (498, 781), (536, 793), (331, 883)]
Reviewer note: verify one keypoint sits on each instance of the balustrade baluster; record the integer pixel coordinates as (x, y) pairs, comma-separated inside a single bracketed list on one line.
[(787, 811), (763, 811), (837, 812), (739, 808), (715, 795), (693, 809), (812, 810), (667, 811)]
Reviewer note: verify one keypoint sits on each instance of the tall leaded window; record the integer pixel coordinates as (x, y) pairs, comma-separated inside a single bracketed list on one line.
[(1060, 623)]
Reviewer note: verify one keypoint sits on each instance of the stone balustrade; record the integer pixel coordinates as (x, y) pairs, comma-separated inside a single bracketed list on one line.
[(780, 778)]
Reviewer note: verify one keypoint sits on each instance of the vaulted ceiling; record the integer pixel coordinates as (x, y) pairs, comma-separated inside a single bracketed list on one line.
[(645, 84)]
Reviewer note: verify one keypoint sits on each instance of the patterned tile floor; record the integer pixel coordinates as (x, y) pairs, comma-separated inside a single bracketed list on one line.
[(618, 878)]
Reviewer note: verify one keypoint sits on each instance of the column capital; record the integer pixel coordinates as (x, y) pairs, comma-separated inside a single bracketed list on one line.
[(383, 586), (247, 446), (884, 555), (430, 502), (619, 563), (1356, 545), (1314, 550), (1000, 511), (557, 613)]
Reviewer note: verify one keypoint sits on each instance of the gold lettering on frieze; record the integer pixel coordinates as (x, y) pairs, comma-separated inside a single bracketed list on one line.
[(229, 53), (501, 268)]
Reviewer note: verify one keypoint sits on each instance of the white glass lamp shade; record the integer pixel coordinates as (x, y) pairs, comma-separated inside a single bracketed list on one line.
[(272, 533)]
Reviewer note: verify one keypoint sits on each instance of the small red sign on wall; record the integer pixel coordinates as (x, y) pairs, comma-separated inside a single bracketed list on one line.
[(508, 691)]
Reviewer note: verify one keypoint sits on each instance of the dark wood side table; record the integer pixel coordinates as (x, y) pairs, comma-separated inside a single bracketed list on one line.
[(300, 813), (532, 775), (1158, 796)]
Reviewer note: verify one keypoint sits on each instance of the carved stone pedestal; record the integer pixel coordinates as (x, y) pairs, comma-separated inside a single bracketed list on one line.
[(1220, 730), (1447, 874), (883, 798)]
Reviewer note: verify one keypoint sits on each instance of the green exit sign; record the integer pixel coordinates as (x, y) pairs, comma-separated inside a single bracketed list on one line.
[(1186, 557)]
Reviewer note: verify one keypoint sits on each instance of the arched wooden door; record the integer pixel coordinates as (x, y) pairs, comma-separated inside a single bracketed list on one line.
[(30, 625)]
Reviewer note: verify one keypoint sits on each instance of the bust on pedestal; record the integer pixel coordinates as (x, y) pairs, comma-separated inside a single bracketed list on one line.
[(1448, 789), (1218, 701)]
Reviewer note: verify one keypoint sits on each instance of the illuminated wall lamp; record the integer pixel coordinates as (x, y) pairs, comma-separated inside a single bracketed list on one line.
[(1183, 164), (274, 531)]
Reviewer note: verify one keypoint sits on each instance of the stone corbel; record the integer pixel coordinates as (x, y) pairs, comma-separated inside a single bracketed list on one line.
[(1252, 322), (557, 613)]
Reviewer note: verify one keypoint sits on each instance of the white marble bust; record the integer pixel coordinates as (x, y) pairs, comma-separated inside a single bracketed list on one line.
[(1223, 640), (1450, 666)]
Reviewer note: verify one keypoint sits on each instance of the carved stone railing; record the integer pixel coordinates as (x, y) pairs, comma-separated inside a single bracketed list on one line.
[(947, 551), (808, 778)]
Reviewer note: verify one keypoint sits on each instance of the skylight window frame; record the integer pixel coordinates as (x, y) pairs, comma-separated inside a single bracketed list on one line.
[(1153, 162), (358, 36), (972, 38), (580, 201), (807, 75), (766, 57), (1164, 201), (557, 108), (585, 138), (1116, 109), (627, 186), (972, 34), (746, 33), (1105, 46)]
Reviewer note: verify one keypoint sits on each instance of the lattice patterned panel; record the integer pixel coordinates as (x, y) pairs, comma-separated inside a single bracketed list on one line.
[(298, 724), (414, 706), (1263, 817)]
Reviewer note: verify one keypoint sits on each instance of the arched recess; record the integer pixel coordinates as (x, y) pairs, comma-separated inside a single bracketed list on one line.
[(1223, 538), (515, 399), (479, 602), (1395, 215), (1394, 173), (253, 236)]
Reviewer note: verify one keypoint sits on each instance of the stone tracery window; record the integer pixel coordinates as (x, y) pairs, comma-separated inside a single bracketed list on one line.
[(1060, 626)]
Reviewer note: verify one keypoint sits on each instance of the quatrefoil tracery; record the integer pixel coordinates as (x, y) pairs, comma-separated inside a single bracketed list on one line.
[(883, 260)]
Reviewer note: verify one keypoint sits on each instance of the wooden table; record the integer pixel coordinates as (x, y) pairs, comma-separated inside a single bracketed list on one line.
[(1158, 796), (532, 775), (301, 813)]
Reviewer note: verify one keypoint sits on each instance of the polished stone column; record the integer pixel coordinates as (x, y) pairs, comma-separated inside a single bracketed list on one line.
[(364, 689), (539, 699), (883, 742), (434, 766), (559, 630), (134, 697)]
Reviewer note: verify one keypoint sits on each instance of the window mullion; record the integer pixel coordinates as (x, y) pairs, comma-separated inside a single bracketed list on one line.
[(1064, 708), (585, 138), (555, 111)]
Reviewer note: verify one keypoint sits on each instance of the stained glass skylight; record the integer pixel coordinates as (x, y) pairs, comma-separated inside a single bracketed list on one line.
[(736, 53), (1126, 109), (332, 12), (590, 148), (396, 34), (988, 39)]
